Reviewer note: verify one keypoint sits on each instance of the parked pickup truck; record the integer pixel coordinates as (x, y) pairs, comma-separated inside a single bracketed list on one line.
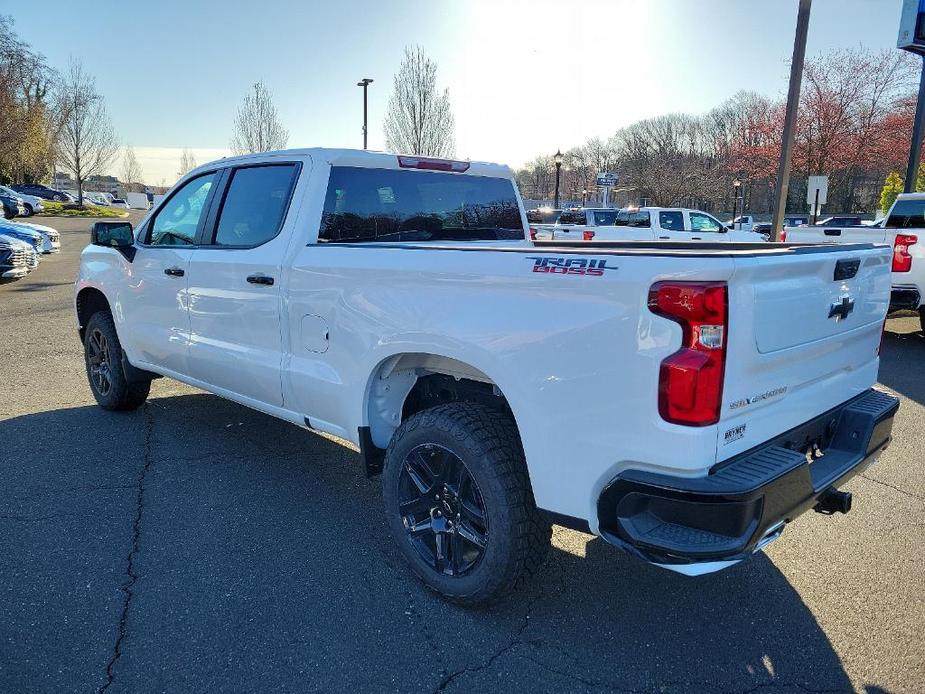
[(397, 302), (643, 224), (745, 222), (904, 230)]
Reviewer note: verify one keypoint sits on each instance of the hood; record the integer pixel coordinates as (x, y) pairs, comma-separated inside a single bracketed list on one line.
[(11, 242), (6, 224), (20, 232)]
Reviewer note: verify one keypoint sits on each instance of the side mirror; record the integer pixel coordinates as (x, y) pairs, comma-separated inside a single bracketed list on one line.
[(118, 235), (723, 230)]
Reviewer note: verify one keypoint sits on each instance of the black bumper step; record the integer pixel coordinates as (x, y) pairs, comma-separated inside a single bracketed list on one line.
[(725, 514)]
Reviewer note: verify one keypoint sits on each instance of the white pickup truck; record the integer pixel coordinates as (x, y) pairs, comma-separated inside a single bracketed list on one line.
[(641, 224), (903, 228), (398, 303)]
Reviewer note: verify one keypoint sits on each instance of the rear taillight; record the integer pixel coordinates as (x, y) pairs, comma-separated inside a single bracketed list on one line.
[(902, 259), (690, 387), (587, 235), (532, 234), (432, 164)]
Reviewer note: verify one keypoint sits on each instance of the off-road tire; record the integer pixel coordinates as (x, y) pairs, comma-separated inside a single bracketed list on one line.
[(487, 442), (121, 394)]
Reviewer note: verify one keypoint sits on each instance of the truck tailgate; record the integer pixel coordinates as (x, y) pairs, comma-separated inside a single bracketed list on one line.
[(804, 336)]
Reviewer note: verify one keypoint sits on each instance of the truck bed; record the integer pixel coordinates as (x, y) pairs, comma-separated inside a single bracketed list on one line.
[(631, 248)]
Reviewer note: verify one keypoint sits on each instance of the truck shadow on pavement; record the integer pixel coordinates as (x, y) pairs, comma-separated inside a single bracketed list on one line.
[(225, 550), (901, 357)]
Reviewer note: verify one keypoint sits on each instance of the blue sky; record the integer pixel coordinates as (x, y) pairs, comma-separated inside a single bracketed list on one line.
[(524, 77)]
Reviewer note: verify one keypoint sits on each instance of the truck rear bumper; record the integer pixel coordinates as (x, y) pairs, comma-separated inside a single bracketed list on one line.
[(704, 524)]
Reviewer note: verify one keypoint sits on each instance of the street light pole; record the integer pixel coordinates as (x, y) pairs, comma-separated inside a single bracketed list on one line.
[(912, 170), (793, 101), (365, 82), (558, 161), (735, 201)]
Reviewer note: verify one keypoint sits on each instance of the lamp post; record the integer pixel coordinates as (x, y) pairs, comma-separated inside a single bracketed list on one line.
[(365, 82), (735, 201), (558, 160)]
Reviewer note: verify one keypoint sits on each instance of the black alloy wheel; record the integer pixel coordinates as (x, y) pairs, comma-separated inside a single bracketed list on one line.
[(99, 362), (442, 510)]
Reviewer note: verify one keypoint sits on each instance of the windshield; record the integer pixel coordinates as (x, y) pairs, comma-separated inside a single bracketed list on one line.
[(366, 204)]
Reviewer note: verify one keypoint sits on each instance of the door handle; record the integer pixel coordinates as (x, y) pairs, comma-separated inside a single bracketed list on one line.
[(695, 238), (260, 279), (664, 237), (174, 271)]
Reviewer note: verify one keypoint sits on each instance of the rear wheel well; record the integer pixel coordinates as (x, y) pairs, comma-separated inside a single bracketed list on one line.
[(89, 301), (408, 383)]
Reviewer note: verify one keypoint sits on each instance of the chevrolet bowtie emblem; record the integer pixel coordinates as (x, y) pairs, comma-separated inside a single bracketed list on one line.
[(840, 309)]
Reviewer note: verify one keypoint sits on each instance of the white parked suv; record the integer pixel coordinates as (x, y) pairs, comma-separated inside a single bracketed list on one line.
[(642, 224), (903, 228), (398, 303)]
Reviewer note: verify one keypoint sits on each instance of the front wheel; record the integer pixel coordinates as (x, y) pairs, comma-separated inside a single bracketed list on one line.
[(103, 356), (459, 504), (29, 210)]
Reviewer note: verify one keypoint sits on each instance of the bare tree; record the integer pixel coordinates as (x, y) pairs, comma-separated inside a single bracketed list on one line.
[(131, 174), (419, 119), (86, 143), (187, 162), (256, 126)]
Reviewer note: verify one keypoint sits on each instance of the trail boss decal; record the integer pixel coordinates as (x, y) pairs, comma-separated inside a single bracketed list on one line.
[(594, 267)]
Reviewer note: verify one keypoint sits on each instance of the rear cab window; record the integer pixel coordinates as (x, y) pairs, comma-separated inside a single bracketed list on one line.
[(907, 214), (374, 204), (567, 218), (541, 216)]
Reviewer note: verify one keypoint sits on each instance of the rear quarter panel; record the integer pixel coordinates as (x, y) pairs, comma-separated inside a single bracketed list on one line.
[(576, 356)]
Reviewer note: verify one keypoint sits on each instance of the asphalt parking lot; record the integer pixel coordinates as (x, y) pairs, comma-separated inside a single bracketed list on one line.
[(195, 545)]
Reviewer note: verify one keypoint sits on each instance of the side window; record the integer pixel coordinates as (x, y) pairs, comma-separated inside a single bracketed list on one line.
[(178, 219), (672, 221), (632, 218), (255, 205), (703, 222)]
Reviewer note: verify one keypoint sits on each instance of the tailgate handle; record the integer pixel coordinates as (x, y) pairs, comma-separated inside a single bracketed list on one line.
[(847, 268), (832, 232)]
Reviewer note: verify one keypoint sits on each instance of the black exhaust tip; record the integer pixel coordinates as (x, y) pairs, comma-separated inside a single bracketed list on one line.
[(833, 501)]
